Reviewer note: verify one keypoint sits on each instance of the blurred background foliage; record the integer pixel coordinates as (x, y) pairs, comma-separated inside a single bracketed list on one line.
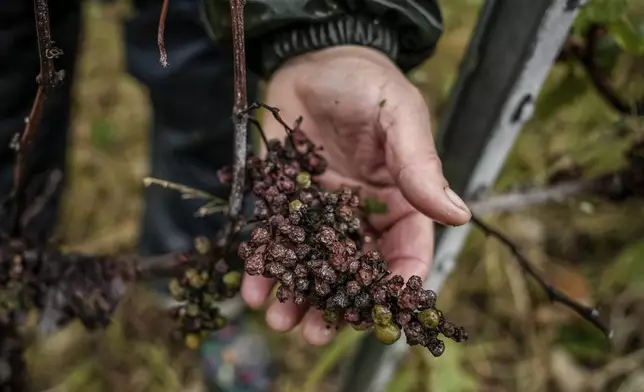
[(519, 342)]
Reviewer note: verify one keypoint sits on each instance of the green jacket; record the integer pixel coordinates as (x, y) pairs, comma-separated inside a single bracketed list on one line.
[(276, 30)]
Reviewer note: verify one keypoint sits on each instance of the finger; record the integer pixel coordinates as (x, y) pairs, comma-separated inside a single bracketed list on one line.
[(414, 164), (255, 290), (408, 246), (283, 317), (315, 330)]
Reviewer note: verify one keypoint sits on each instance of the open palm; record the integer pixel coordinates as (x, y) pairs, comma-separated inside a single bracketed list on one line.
[(375, 130)]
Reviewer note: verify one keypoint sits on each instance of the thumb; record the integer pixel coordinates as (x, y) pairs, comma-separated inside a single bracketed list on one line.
[(412, 159)]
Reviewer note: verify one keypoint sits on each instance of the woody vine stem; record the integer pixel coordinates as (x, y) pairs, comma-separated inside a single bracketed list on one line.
[(47, 79), (240, 118)]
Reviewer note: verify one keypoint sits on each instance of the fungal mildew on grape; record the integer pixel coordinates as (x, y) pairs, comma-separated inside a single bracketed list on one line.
[(308, 239)]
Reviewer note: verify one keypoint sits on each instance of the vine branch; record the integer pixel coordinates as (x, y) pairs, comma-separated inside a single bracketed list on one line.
[(585, 52), (587, 59), (621, 185), (613, 186), (48, 76), (239, 116), (47, 79), (555, 295)]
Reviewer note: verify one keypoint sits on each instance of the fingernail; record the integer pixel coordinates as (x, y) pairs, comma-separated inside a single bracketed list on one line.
[(456, 200), (319, 334), (254, 299), (277, 320)]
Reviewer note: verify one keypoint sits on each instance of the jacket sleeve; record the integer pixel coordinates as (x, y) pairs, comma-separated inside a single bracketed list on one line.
[(276, 30)]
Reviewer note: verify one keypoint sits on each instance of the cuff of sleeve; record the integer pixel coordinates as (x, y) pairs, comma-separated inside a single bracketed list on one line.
[(347, 30)]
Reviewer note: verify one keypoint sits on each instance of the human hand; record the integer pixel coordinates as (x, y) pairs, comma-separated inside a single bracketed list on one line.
[(374, 127)]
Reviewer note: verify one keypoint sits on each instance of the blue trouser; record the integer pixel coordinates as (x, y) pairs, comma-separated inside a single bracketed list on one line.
[(192, 134)]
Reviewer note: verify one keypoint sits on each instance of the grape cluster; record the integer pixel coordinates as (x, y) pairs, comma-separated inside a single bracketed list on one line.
[(308, 239), (206, 281), (30, 276), (65, 286)]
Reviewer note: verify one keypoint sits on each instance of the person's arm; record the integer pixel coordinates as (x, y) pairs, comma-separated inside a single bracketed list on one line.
[(276, 30)]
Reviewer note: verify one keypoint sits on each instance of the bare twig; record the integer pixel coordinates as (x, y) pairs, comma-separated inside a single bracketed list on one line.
[(587, 59), (514, 201), (275, 112), (585, 51), (260, 130), (28, 132), (47, 79), (186, 191), (163, 55), (13, 370), (611, 186), (555, 295), (168, 265), (239, 115), (48, 76)]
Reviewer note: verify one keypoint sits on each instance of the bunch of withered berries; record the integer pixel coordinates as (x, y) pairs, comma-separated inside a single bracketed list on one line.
[(310, 240)]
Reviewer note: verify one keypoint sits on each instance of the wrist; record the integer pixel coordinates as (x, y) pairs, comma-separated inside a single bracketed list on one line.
[(349, 34), (346, 54)]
